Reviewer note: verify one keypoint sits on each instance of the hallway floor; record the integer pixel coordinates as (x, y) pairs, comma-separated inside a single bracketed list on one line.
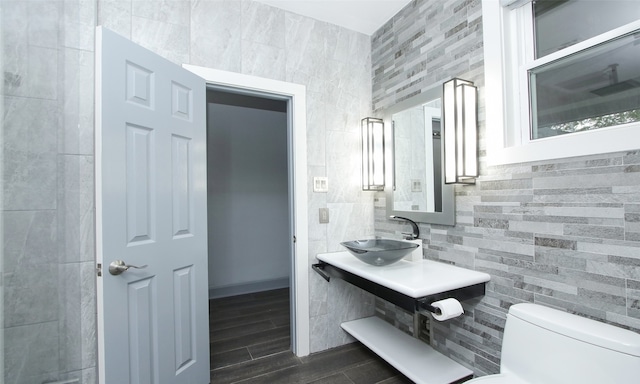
[(250, 343)]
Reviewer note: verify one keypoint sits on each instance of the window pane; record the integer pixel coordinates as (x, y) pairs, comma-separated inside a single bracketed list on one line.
[(562, 23), (596, 88)]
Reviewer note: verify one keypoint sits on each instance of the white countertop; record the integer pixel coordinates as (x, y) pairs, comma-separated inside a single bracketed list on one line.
[(412, 278)]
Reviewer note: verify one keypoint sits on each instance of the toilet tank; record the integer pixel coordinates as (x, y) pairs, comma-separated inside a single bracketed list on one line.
[(544, 345)]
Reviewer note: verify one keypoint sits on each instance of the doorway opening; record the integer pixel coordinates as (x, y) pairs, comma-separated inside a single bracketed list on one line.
[(249, 215), (295, 97), (250, 225)]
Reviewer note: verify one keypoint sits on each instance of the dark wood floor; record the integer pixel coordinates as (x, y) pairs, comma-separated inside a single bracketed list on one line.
[(250, 343)]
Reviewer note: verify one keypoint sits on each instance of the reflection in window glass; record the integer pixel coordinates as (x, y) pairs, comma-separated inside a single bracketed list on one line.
[(562, 23), (596, 88)]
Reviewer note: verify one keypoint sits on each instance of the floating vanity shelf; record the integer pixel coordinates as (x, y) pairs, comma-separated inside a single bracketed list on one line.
[(413, 286)]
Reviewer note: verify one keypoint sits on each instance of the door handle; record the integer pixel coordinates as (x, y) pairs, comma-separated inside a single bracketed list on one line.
[(119, 266)]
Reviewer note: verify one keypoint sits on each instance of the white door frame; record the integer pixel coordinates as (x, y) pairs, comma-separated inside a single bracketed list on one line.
[(300, 263)]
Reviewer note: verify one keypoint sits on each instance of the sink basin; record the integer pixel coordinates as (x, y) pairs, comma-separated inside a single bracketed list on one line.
[(379, 252)]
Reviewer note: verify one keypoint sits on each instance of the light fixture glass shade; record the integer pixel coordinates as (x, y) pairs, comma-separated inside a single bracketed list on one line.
[(460, 132), (372, 154)]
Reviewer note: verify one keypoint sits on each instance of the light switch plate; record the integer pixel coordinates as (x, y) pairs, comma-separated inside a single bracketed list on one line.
[(320, 184), (416, 185)]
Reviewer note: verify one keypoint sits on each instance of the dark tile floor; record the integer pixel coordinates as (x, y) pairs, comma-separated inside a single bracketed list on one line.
[(250, 343)]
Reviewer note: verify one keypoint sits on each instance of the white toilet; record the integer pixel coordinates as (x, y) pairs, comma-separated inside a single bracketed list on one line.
[(546, 346)]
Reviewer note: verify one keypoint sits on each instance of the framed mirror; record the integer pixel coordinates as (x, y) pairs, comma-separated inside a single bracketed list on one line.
[(415, 186)]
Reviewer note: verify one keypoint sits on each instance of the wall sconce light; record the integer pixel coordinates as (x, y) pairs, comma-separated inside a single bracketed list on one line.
[(460, 132), (372, 154)]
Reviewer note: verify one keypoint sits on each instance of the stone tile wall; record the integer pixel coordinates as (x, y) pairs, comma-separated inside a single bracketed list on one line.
[(559, 233), (426, 43), (47, 191), (47, 167)]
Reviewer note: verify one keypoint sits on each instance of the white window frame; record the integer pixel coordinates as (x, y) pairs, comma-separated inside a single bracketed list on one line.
[(508, 55)]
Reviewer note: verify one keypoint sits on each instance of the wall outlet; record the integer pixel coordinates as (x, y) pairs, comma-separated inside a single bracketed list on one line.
[(324, 215)]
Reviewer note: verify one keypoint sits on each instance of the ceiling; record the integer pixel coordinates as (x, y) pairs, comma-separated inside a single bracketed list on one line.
[(364, 16)]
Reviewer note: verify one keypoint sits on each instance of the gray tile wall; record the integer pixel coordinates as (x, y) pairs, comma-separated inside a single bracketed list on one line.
[(47, 167), (47, 188), (559, 233)]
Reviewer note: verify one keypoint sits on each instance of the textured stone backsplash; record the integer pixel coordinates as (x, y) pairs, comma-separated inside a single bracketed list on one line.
[(562, 233), (424, 44)]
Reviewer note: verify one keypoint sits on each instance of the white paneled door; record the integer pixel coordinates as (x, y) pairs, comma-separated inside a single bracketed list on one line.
[(151, 217)]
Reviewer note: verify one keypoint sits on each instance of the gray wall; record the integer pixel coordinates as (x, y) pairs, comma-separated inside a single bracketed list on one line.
[(560, 233), (47, 183), (47, 167), (248, 199)]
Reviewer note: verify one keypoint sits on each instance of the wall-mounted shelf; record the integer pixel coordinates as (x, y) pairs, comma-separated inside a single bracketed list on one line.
[(415, 359), (408, 284)]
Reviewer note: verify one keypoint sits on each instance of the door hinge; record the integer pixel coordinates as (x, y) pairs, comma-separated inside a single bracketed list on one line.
[(99, 269), (294, 239)]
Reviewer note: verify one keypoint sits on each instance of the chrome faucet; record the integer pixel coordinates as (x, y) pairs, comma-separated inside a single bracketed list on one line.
[(416, 230)]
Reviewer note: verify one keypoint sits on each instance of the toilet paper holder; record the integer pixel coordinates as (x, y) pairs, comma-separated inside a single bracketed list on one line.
[(423, 304), (442, 310)]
